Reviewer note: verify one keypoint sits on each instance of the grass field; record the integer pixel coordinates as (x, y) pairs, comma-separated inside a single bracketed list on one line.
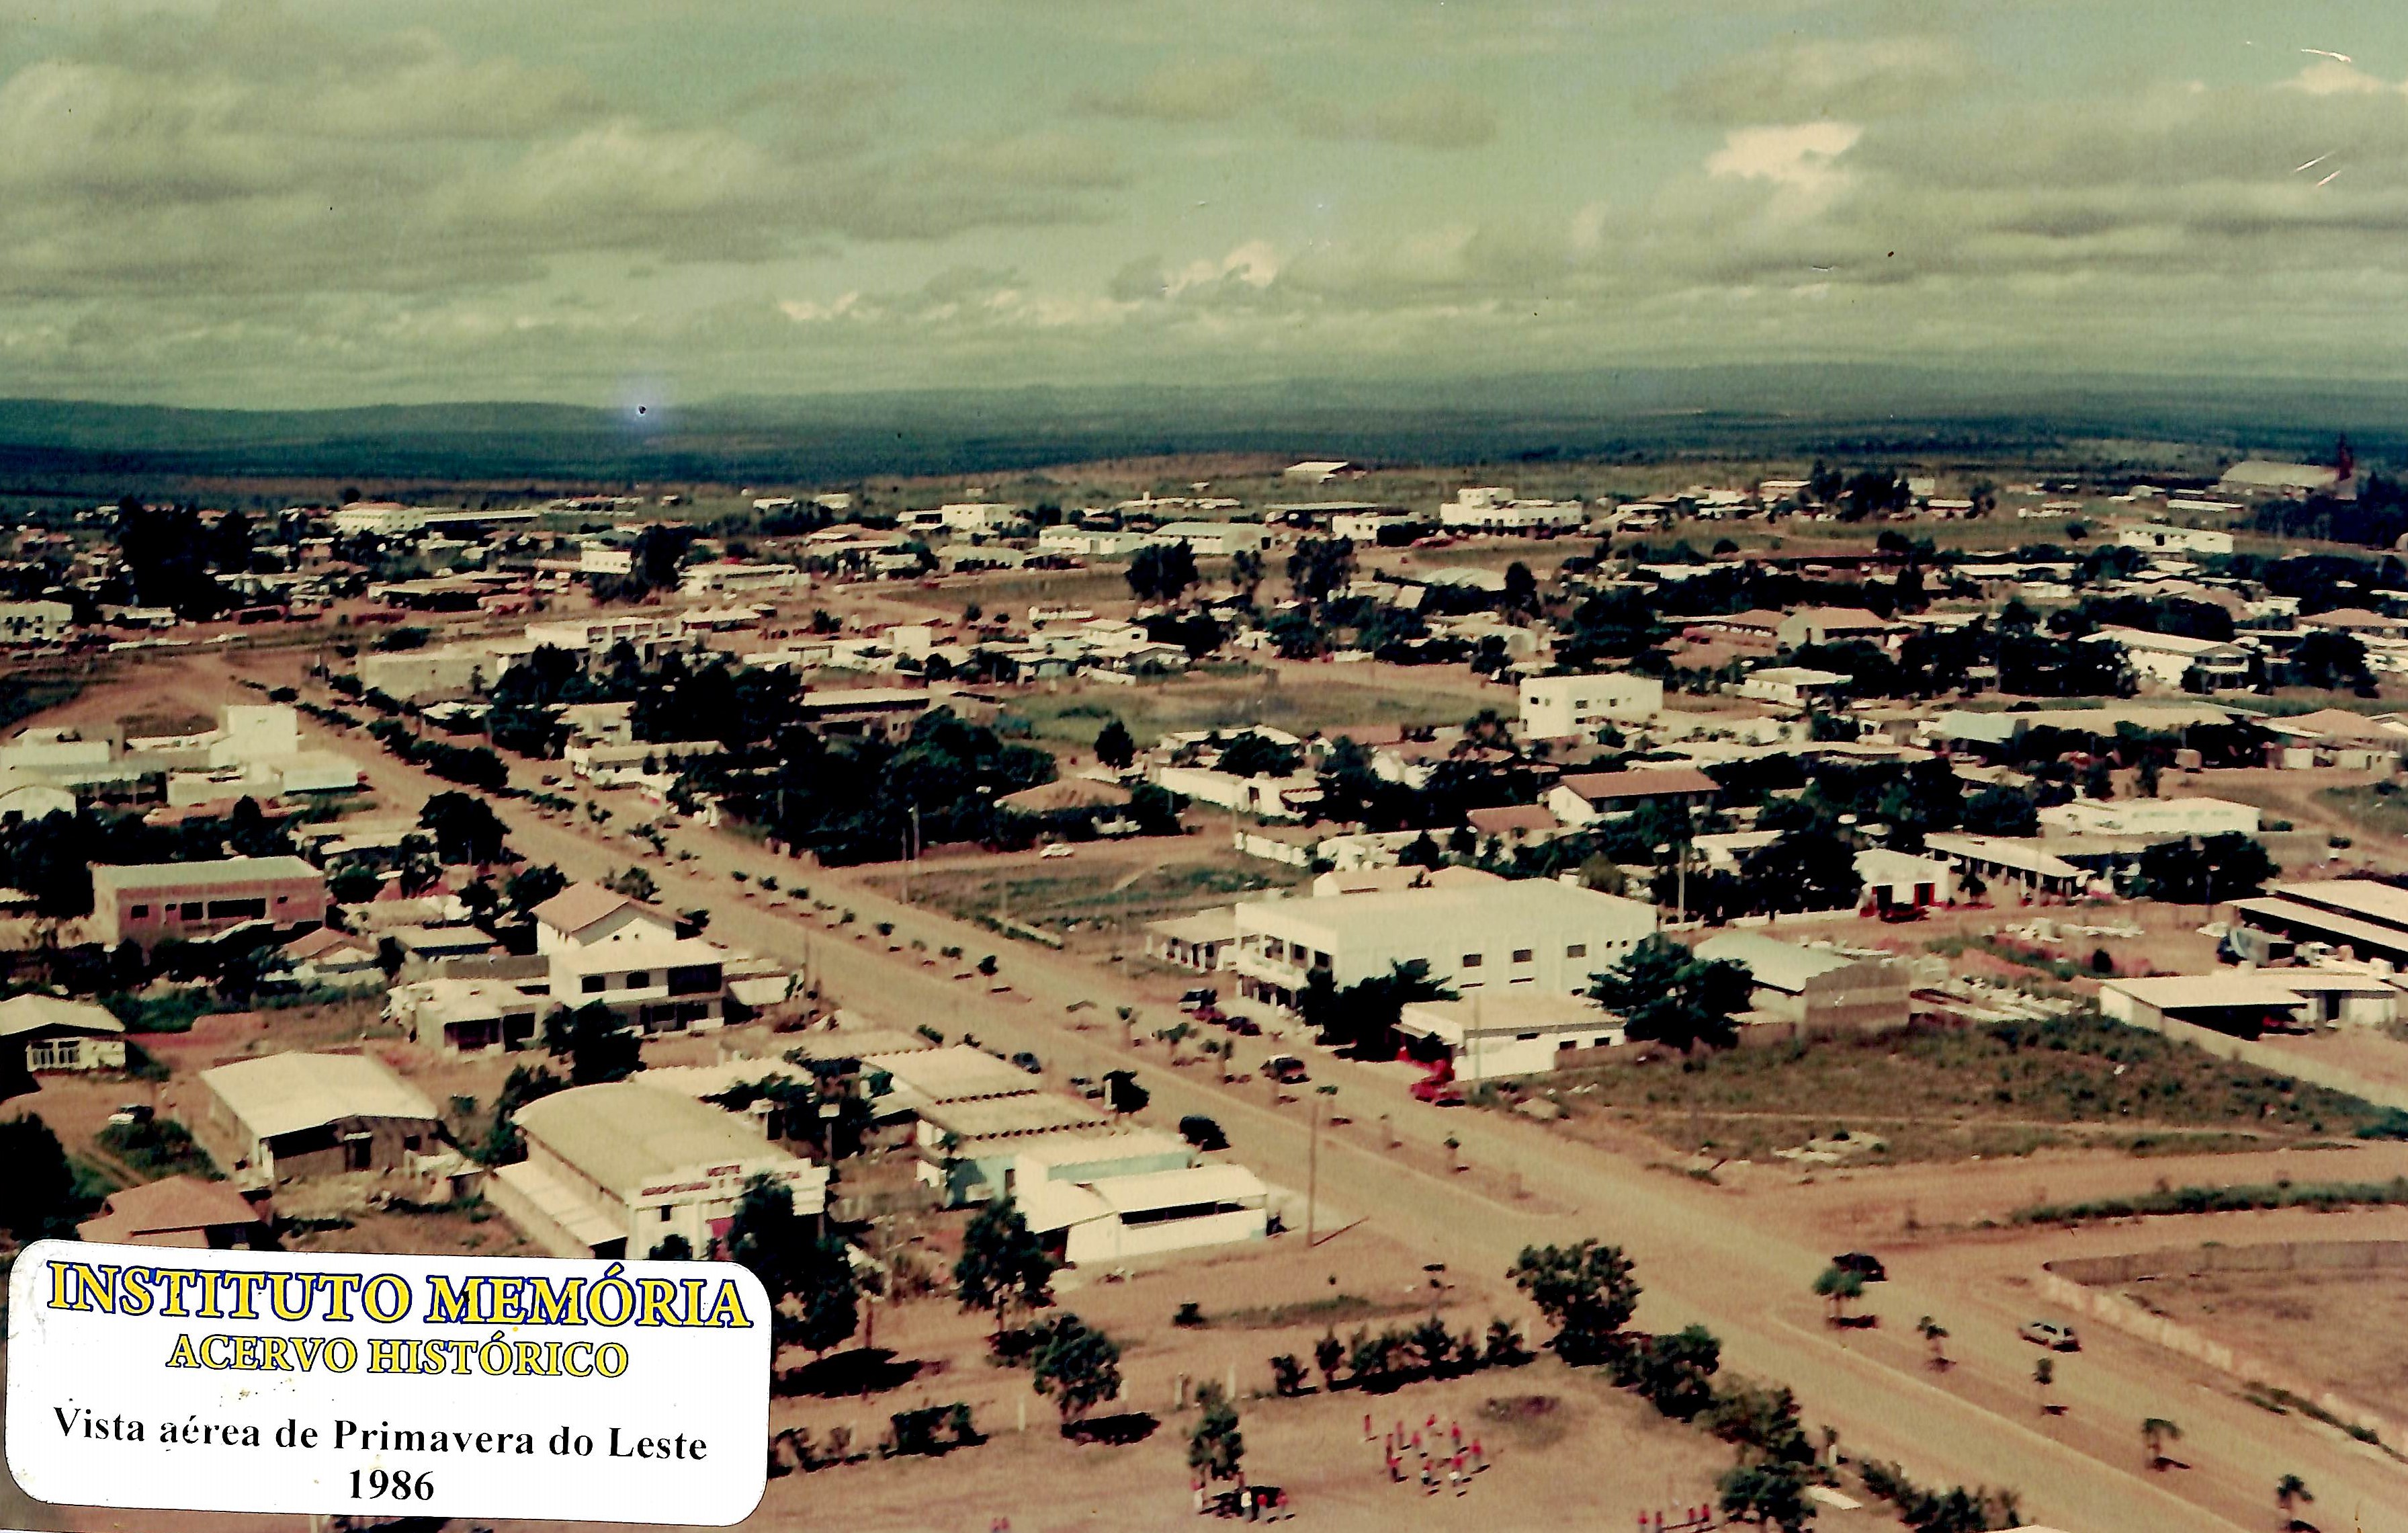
[(1092, 898), (1933, 1094), (1073, 716)]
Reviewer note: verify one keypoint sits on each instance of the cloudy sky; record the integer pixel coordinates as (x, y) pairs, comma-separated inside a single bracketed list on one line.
[(350, 201)]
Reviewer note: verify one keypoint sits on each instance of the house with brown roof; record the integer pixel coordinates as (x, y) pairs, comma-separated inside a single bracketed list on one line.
[(1830, 625), (588, 916), (1516, 824), (184, 1211), (1760, 628), (1585, 798), (325, 959)]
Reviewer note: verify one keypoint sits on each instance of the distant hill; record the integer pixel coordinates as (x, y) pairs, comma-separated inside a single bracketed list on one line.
[(1854, 410)]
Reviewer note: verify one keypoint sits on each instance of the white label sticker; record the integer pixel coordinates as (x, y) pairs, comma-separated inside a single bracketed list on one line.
[(224, 1381)]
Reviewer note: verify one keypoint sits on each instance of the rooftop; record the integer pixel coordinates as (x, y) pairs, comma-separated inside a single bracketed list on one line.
[(283, 1093), (29, 1013), (625, 1135), (175, 1205), (135, 877), (578, 906), (1779, 965), (1007, 1117), (2365, 897), (1638, 782), (958, 1073)]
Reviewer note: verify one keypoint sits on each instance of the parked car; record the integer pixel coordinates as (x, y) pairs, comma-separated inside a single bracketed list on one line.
[(1029, 1062), (1245, 1027), (1196, 999), (1088, 1086), (133, 1112), (2050, 1334), (1057, 848), (1864, 1264), (1287, 1069), (1438, 1091)]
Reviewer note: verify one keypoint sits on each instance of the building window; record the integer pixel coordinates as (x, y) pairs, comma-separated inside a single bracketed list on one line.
[(1473, 961), (1320, 960), (139, 912), (1520, 955), (594, 983), (1577, 950), (639, 978)]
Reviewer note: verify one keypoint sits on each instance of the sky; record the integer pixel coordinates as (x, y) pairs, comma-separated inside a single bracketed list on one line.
[(624, 202)]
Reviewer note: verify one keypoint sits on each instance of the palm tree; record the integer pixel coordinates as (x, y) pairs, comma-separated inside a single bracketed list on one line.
[(2156, 1433), (2290, 1491), (1936, 1334), (1840, 1288), (2044, 1375)]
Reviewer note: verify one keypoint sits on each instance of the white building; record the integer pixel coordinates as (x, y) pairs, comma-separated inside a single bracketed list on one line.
[(1092, 542), (979, 516), (2166, 658), (1538, 933), (35, 622), (1555, 707), (615, 1170), (2152, 816), (732, 578), (652, 635), (1895, 880), (1487, 1036), (602, 559), (2158, 538), (1215, 539), (1494, 509), (1792, 685), (1365, 527), (1111, 1219)]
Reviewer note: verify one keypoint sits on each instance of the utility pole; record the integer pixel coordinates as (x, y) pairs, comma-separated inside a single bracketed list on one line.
[(1311, 1171)]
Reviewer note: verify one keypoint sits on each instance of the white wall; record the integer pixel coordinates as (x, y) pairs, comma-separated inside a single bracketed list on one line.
[(1108, 1240)]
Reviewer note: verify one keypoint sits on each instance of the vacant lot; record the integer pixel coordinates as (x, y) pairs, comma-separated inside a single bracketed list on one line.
[(1946, 1094), (1324, 700), (1104, 896), (2346, 1330)]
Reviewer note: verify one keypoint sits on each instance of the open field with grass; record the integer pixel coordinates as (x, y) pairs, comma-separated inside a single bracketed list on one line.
[(1950, 1093), (1104, 897), (1280, 698)]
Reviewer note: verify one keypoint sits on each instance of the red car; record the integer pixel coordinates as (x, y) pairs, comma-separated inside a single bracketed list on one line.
[(1438, 1091)]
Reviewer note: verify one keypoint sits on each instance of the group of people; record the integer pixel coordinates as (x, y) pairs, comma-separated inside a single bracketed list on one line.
[(1251, 1503), (1695, 1519), (1447, 1461)]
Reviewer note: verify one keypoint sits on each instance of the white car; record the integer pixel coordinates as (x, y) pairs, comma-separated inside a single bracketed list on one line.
[(1058, 848), (2049, 1334)]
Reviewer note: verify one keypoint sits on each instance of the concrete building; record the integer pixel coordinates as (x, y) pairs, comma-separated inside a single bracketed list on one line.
[(1587, 798), (2359, 917), (1546, 935), (1029, 1140), (431, 676), (1895, 880), (146, 903), (616, 1170), (292, 1115), (2168, 817), (2248, 1002), (657, 984), (2012, 860), (2168, 658), (1516, 1033), (53, 1033), (459, 1017), (651, 636), (180, 1212), (2157, 537), (1195, 942), (588, 916), (737, 578), (1830, 625), (1558, 707), (1113, 1219), (1493, 508), (1792, 685), (1815, 989), (35, 622), (1209, 540)]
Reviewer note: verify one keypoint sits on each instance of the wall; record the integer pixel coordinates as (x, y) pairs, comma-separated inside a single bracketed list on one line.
[(1109, 1241), (2080, 1285), (2287, 1061)]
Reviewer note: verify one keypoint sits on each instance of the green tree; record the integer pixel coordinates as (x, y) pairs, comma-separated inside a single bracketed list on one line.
[(1521, 587), (2231, 866), (1665, 993), (674, 1248), (1320, 566), (633, 882), (1078, 1365), (1935, 1336), (1216, 1447), (1772, 1495), (1839, 1287), (1003, 1266), (1586, 1293), (1162, 571), (465, 827), (2328, 662), (38, 1195), (598, 1043), (1122, 1093), (1676, 1372), (1114, 748), (1246, 572), (503, 1143)]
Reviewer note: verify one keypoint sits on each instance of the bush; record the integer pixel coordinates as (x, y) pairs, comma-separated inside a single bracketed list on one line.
[(1202, 1131)]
